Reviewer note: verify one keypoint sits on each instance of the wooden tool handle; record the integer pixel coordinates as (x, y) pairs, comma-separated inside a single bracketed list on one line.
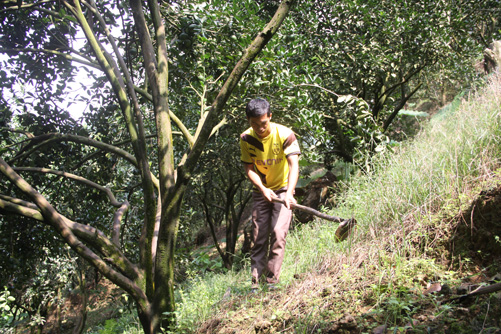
[(310, 210)]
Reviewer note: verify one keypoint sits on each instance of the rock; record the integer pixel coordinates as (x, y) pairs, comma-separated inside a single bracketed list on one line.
[(446, 290), (347, 322)]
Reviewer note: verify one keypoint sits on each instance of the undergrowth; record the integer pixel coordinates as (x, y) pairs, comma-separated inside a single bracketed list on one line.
[(401, 205)]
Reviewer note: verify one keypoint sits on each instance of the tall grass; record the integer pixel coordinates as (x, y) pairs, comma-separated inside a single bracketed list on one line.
[(444, 162), (406, 190), (201, 298)]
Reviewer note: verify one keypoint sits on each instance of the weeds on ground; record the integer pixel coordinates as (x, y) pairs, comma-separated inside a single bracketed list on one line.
[(127, 323)]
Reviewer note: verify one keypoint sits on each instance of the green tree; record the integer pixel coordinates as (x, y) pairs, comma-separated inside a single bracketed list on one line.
[(352, 66), (38, 37)]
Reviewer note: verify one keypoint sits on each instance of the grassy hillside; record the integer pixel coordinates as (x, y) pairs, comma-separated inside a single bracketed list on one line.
[(409, 209), (428, 219)]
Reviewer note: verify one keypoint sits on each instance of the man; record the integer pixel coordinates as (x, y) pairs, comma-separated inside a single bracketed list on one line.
[(270, 153)]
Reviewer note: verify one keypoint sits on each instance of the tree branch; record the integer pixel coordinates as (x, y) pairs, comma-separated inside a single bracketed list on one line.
[(406, 79), (45, 139), (55, 52), (183, 128), (398, 108), (26, 133), (123, 66), (213, 230), (136, 131), (249, 55), (117, 219), (86, 232), (48, 138), (77, 178), (174, 118), (34, 6), (53, 218)]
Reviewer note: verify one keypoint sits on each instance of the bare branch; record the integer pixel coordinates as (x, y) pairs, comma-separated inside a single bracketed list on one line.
[(123, 66), (18, 207), (19, 202), (26, 133), (183, 128), (223, 122), (399, 107), (55, 52), (117, 218), (77, 178), (48, 138)]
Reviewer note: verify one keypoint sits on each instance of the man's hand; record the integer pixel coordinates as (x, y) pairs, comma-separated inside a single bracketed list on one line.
[(288, 200), (268, 194)]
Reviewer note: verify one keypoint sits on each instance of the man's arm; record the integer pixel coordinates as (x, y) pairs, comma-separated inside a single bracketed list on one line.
[(256, 181), (293, 161)]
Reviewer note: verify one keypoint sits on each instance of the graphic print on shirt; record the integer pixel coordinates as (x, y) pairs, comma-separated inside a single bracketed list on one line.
[(269, 155)]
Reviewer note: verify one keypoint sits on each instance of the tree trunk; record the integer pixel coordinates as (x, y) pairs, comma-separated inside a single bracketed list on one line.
[(492, 57), (79, 327), (172, 195), (164, 306)]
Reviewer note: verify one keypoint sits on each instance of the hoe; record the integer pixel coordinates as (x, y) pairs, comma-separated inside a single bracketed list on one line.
[(344, 229)]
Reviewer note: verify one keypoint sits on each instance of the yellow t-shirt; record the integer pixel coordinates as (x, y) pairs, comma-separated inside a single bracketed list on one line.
[(269, 155)]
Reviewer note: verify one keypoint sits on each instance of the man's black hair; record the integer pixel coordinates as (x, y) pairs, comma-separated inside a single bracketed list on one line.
[(257, 108)]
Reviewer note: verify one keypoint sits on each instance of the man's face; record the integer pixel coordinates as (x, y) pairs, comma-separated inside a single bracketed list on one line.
[(261, 125)]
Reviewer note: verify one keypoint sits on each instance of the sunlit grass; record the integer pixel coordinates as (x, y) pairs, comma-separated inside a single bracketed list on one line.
[(446, 160), (200, 298), (436, 173)]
